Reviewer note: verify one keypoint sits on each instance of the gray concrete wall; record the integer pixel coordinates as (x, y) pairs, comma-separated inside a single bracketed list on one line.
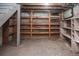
[(75, 12), (68, 13)]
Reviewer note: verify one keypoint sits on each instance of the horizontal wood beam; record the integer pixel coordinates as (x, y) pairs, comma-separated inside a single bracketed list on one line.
[(43, 8)]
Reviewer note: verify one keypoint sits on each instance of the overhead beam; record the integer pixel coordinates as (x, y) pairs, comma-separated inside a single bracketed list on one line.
[(43, 4), (44, 8)]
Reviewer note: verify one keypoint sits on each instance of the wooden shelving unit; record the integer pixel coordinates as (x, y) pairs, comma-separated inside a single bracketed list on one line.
[(55, 25), (76, 29), (12, 28), (25, 26), (66, 28), (70, 31), (39, 22)]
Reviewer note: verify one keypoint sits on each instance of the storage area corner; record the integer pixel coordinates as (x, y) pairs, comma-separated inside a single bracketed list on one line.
[(70, 25), (38, 29)]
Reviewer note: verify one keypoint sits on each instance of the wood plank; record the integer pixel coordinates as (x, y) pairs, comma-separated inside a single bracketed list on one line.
[(42, 8), (18, 25), (25, 33), (40, 17), (40, 33), (31, 21), (40, 24), (49, 26), (25, 17), (40, 28)]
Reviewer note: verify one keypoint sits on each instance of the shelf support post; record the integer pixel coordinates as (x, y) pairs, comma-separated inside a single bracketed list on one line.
[(18, 25)]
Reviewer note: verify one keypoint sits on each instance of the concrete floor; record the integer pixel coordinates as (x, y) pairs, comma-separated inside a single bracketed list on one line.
[(38, 47)]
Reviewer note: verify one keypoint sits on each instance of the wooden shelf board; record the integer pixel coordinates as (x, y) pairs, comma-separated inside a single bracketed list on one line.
[(25, 17), (76, 29), (67, 28), (55, 32), (40, 32), (25, 32), (40, 28), (41, 24), (54, 24), (55, 16), (55, 28), (40, 17), (67, 36), (25, 29), (25, 24), (76, 41), (67, 19)]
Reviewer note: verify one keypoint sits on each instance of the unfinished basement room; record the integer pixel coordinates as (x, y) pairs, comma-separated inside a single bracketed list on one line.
[(39, 29)]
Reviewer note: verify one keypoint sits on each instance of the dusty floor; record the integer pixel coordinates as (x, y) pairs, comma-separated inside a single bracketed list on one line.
[(38, 47)]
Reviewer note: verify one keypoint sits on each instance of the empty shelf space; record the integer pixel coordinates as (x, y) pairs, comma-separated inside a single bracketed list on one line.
[(26, 17), (40, 32), (35, 17), (11, 34), (55, 33), (55, 28), (25, 33), (55, 24), (67, 27), (40, 14), (67, 23), (76, 23), (68, 40), (25, 21), (68, 19), (25, 36), (40, 28), (77, 29), (26, 24), (55, 16), (25, 28), (38, 21), (25, 14), (66, 35), (76, 35)]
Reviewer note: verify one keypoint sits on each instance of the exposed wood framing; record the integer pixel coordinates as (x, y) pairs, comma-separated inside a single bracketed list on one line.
[(44, 8), (18, 25), (31, 21), (49, 26)]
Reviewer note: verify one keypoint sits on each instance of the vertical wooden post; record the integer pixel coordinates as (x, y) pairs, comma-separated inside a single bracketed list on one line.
[(18, 25), (31, 21), (61, 16), (49, 26)]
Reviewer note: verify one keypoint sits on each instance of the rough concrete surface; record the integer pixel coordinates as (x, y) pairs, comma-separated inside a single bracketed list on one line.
[(38, 47)]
